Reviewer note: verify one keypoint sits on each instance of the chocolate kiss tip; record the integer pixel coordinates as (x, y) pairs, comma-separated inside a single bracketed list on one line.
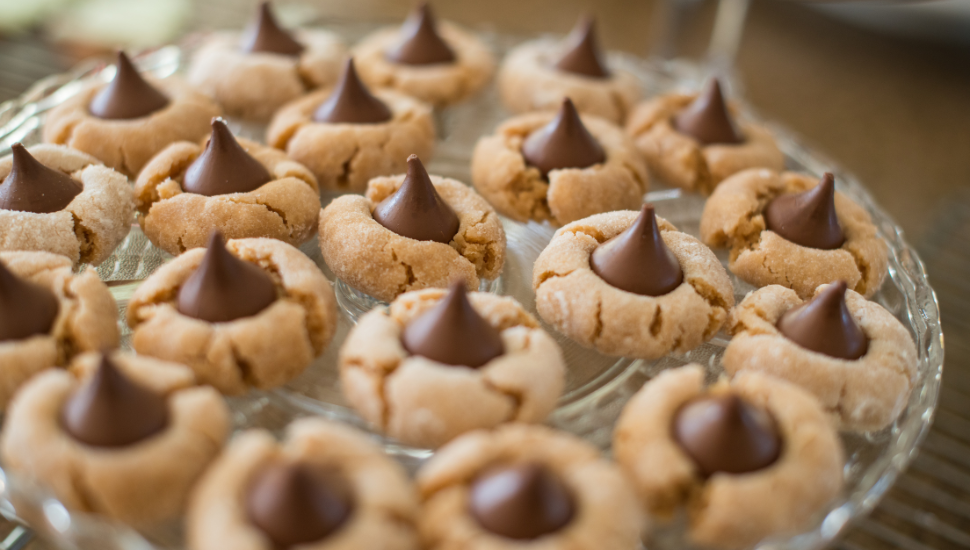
[(128, 95), (523, 502), (419, 42), (707, 119), (110, 410), (32, 187), (224, 167), (26, 309), (825, 325), (266, 36), (453, 333), (563, 143), (807, 218), (582, 55), (416, 210), (351, 102)]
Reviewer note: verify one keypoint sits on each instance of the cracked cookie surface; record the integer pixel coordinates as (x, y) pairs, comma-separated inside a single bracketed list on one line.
[(584, 307), (734, 217), (263, 351)]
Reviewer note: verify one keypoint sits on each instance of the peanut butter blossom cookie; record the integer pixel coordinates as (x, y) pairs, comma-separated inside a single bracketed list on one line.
[(693, 141), (347, 135), (559, 167), (629, 284), (437, 364), (236, 186), (255, 74), (120, 435), (59, 200), (793, 230), (440, 64), (537, 75), (125, 122), (748, 460)]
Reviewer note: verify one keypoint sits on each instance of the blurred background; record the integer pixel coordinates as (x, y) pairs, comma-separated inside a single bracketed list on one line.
[(880, 87)]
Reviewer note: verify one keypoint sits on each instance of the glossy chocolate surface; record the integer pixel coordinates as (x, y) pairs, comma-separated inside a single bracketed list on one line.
[(224, 167), (32, 187), (807, 218), (264, 35), (128, 95), (522, 501), (419, 42), (416, 210), (707, 119), (351, 102), (582, 53), (638, 260), (563, 143), (26, 309), (824, 325)]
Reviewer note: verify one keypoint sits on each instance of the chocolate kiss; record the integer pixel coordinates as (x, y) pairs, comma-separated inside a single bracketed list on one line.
[(295, 503), (26, 309), (453, 333), (420, 43), (707, 119), (524, 501), (563, 143), (128, 95), (32, 187), (582, 55), (265, 36), (638, 260), (723, 433), (416, 210), (224, 167), (807, 218), (224, 288), (351, 102), (824, 325), (110, 410)]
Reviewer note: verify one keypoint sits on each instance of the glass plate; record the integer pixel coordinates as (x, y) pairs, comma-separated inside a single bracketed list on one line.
[(597, 386)]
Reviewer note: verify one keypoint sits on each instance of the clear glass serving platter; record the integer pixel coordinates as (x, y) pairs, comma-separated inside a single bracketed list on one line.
[(597, 386)]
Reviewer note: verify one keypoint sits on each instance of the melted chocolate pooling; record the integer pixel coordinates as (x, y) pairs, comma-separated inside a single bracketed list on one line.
[(127, 96), (26, 309), (724, 433), (453, 333), (266, 36), (224, 288), (416, 210), (110, 410), (824, 325), (582, 55), (224, 167), (524, 501), (563, 143), (419, 42), (295, 503), (707, 119), (351, 102), (32, 187), (638, 260), (807, 218)]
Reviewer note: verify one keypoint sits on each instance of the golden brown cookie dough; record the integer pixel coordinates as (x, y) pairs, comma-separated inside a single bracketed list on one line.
[(385, 505), (584, 307), (733, 217), (519, 191), (139, 484), (730, 510), (90, 227), (344, 157), (383, 264), (425, 403), (87, 319), (607, 514), (263, 351), (127, 145), (174, 220), (255, 85), (682, 161)]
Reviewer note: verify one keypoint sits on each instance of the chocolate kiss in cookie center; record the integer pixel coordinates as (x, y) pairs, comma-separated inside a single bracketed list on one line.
[(453, 333), (295, 503), (807, 218), (416, 210), (32, 187), (224, 288), (266, 36), (419, 42), (127, 96), (224, 167), (26, 309), (563, 143), (523, 501), (110, 410), (824, 325), (707, 119), (582, 55), (351, 102), (638, 260), (724, 433)]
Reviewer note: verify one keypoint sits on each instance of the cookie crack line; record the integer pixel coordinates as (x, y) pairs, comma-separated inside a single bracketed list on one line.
[(343, 180), (514, 396), (598, 327)]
